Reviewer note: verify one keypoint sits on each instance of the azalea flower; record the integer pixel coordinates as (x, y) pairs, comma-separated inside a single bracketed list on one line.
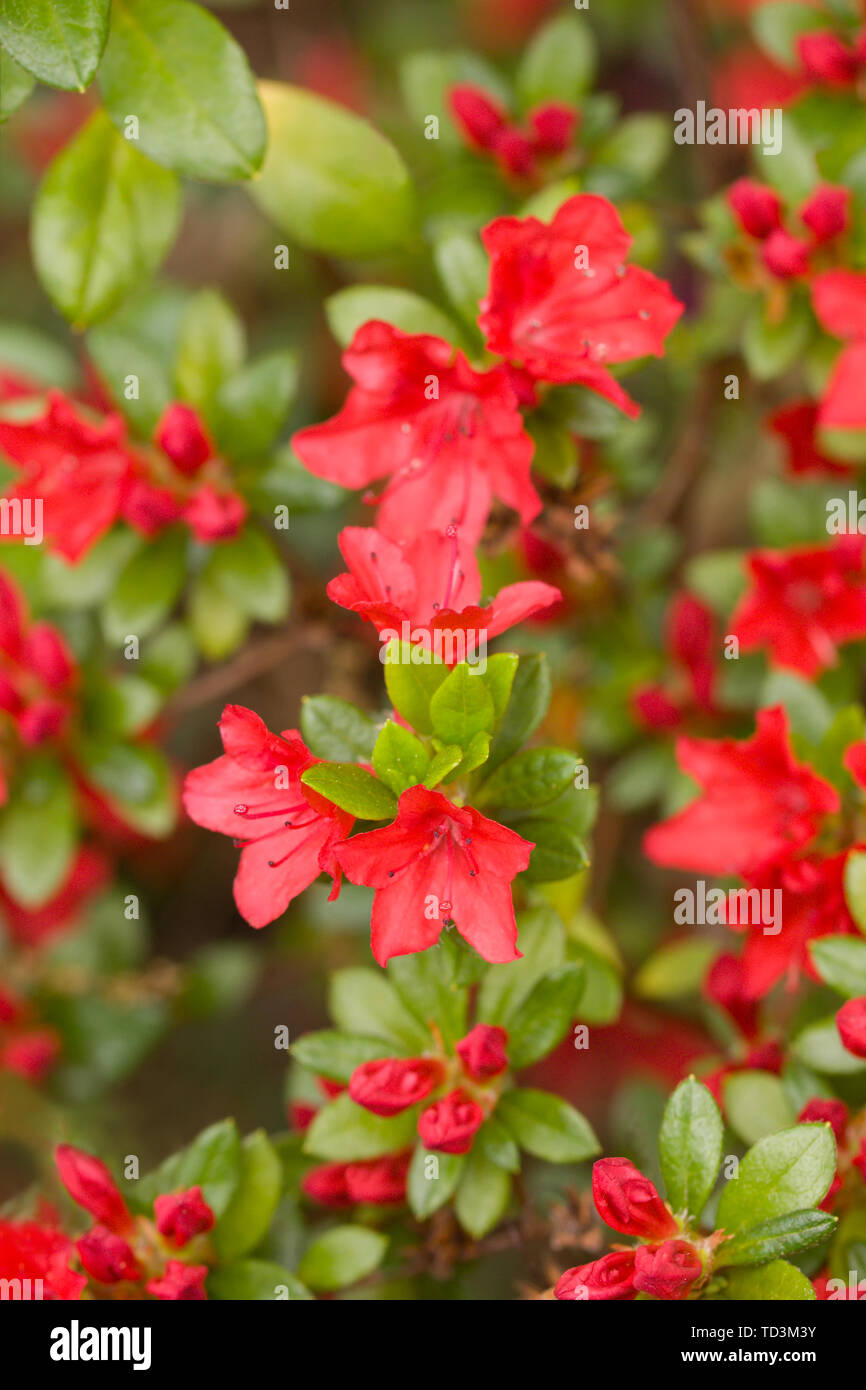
[(839, 301), (255, 791), (448, 438), (690, 639), (796, 425), (757, 804), (438, 864), (561, 302), (434, 583), (803, 604), (519, 150)]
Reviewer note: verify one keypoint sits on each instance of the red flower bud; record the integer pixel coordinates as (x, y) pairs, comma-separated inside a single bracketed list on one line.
[(825, 212), (784, 255), (180, 1283), (379, 1180), (851, 1022), (628, 1202), (482, 1051), (516, 154), (180, 434), (31, 1054), (757, 209), (826, 59), (451, 1123), (611, 1277), (107, 1257), (479, 117), (327, 1184), (215, 516), (391, 1084), (553, 125), (90, 1184), (832, 1112), (182, 1215), (668, 1270)]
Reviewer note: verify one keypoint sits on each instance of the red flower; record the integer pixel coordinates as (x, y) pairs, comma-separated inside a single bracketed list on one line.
[(182, 1215), (31, 1054), (839, 301), (831, 1112), (628, 1202), (450, 1125), (79, 470), (804, 604), (757, 208), (182, 436), (107, 1257), (825, 212), (90, 1184), (481, 119), (37, 673), (690, 639), (486, 126), (213, 515), (432, 585), (563, 320), (449, 438), (482, 1051), (796, 425), (668, 1270), (36, 1250), (611, 1277), (255, 787), (825, 58), (438, 863), (391, 1084), (757, 804), (851, 1023), (180, 1283), (786, 256), (725, 984)]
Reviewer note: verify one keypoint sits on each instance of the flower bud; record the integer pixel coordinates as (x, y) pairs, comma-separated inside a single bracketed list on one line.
[(482, 1051), (553, 126), (826, 59), (628, 1202), (611, 1277), (214, 516), (758, 209), (180, 434), (451, 1123), (784, 255), (90, 1184), (831, 1112), (391, 1084), (480, 118), (668, 1270), (825, 212), (327, 1184), (180, 1283), (182, 1215), (379, 1180), (851, 1022), (516, 154), (107, 1257)]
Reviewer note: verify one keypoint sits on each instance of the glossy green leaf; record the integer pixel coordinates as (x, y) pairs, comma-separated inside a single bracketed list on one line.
[(400, 759), (690, 1147), (787, 1171), (335, 1055), (545, 1015), (462, 706), (783, 1235), (336, 730), (348, 309), (343, 1132), (432, 1180), (546, 1126), (482, 1195), (58, 41), (353, 789), (248, 1215), (341, 1257)]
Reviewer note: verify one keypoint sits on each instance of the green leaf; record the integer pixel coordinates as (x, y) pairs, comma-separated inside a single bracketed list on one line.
[(343, 1132), (137, 780), (336, 730), (545, 1015), (412, 683), (556, 455), (690, 1147), (362, 1001), (428, 983), (442, 763), (330, 180), (777, 1281), (336, 1055), (353, 789), (546, 1126), (463, 267), (475, 756), (255, 1281), (38, 833), (841, 963), (787, 1171), (855, 886), (462, 706), (756, 1104), (675, 970), (426, 1194), (103, 220), (210, 351), (530, 778), (527, 706), (189, 85), (218, 625), (820, 1047), (559, 63), (248, 570), (559, 849), (778, 24), (498, 1145), (483, 1194), (15, 86), (147, 589), (58, 41), (498, 675), (212, 1162), (248, 1216), (341, 1257), (771, 347), (251, 406), (541, 939), (348, 309), (633, 152), (783, 1235), (400, 759)]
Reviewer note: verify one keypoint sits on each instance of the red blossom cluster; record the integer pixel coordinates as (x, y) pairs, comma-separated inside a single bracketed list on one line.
[(520, 151)]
